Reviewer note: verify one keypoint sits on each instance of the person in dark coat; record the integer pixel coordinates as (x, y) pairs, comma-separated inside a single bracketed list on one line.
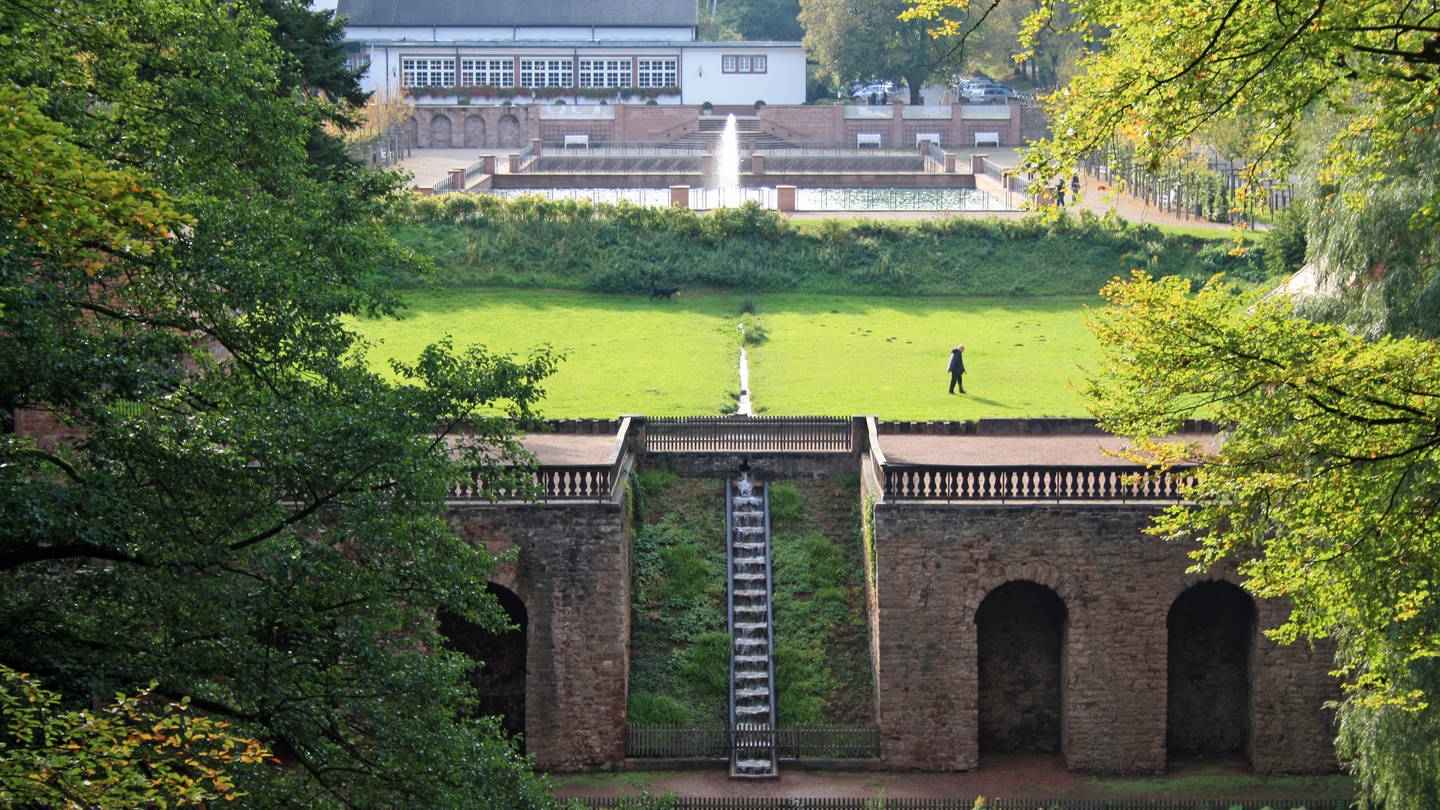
[(957, 368)]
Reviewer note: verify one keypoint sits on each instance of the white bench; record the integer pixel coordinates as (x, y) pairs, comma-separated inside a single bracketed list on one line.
[(922, 137), (987, 139), (863, 139), (577, 140)]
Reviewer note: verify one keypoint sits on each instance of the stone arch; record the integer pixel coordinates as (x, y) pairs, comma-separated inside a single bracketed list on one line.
[(509, 131), (474, 130), (1020, 638), (1211, 634), (499, 682), (440, 128)]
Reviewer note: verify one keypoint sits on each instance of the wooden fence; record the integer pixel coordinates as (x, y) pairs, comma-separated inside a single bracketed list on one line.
[(713, 742), (934, 482), (756, 434), (886, 803)]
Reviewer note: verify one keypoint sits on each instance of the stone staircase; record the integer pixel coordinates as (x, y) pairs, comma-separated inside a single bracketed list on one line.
[(747, 132), (753, 752)]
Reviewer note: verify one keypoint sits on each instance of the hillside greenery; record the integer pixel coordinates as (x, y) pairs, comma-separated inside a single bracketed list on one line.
[(530, 242), (679, 644)]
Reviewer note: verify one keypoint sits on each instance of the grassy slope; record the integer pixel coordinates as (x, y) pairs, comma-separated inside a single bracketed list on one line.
[(824, 354), (678, 648)]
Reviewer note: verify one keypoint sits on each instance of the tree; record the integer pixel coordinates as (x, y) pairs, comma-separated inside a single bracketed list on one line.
[(775, 20), (866, 39), (129, 753), (1324, 490), (243, 513)]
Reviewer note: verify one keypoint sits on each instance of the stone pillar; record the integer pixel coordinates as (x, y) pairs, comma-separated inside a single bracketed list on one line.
[(680, 196), (757, 164), (487, 164), (977, 164), (458, 178), (949, 162), (707, 165), (514, 164), (425, 191), (785, 198), (535, 146)]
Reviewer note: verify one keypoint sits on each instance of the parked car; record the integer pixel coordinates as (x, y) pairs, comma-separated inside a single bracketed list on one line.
[(989, 95)]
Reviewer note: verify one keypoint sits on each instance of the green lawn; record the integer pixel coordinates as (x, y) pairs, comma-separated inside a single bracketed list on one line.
[(824, 354)]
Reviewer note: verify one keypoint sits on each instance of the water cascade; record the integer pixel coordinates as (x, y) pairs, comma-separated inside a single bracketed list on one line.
[(753, 751)]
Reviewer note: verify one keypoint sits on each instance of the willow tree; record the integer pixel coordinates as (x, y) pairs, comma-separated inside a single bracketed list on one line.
[(238, 515)]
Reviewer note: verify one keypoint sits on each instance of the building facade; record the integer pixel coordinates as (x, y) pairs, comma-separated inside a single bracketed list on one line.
[(548, 52)]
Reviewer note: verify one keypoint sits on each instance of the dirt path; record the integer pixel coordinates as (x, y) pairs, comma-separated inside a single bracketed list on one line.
[(1010, 776)]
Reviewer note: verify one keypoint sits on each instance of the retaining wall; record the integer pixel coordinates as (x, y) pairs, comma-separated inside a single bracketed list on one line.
[(935, 563)]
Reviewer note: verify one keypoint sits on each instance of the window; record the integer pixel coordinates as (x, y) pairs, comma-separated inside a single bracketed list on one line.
[(659, 73), (427, 72), (742, 64), (546, 73), (492, 72), (604, 73)]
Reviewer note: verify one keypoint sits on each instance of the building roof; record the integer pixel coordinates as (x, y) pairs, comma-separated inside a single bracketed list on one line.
[(646, 13)]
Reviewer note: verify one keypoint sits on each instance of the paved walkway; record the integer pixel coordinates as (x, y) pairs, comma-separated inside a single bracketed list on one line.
[(1053, 450)]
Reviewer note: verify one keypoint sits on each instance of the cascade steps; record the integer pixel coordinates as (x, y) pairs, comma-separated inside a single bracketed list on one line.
[(753, 753)]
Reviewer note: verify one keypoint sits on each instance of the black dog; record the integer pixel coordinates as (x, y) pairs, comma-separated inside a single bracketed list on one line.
[(657, 293)]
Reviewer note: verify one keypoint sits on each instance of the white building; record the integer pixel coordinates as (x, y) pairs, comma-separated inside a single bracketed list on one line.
[(544, 51)]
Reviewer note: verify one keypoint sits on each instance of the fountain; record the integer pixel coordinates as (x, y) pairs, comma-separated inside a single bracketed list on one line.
[(725, 169)]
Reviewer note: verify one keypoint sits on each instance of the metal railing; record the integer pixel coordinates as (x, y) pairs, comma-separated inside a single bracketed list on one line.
[(714, 742), (936, 482)]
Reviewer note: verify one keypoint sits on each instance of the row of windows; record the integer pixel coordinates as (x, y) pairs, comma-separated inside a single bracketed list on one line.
[(425, 71), (742, 64)]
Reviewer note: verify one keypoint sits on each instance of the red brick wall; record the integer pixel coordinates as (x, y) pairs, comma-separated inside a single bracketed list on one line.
[(573, 574), (935, 564)]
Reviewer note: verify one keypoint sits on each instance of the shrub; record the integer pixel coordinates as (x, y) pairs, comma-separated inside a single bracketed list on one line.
[(648, 708)]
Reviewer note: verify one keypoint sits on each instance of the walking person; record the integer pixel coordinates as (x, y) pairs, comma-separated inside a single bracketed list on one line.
[(1074, 188), (957, 368), (1060, 193)]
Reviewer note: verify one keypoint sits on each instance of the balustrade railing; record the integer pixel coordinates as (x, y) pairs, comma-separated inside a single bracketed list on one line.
[(748, 433), (1062, 483)]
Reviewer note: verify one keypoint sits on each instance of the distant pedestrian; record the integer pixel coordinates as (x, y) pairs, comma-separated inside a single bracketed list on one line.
[(957, 368), (873, 98), (1074, 188), (1060, 192)]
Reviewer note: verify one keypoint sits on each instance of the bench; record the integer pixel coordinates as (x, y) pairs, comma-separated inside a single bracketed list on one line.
[(987, 139), (922, 137), (863, 139), (577, 140)]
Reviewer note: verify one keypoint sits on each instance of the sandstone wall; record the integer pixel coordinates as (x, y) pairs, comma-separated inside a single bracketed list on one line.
[(572, 571), (935, 564)]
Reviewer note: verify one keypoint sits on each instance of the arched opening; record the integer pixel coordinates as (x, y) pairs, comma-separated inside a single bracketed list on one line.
[(1021, 639), (499, 682), (474, 130), (1211, 628), (510, 134), (440, 132)]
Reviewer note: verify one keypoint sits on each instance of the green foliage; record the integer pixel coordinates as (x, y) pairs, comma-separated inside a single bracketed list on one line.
[(680, 648), (1390, 739), (1323, 491), (647, 708), (577, 245), (253, 518), (1286, 242), (134, 752)]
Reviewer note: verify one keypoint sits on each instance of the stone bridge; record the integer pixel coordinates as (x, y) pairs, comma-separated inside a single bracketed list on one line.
[(1014, 602)]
